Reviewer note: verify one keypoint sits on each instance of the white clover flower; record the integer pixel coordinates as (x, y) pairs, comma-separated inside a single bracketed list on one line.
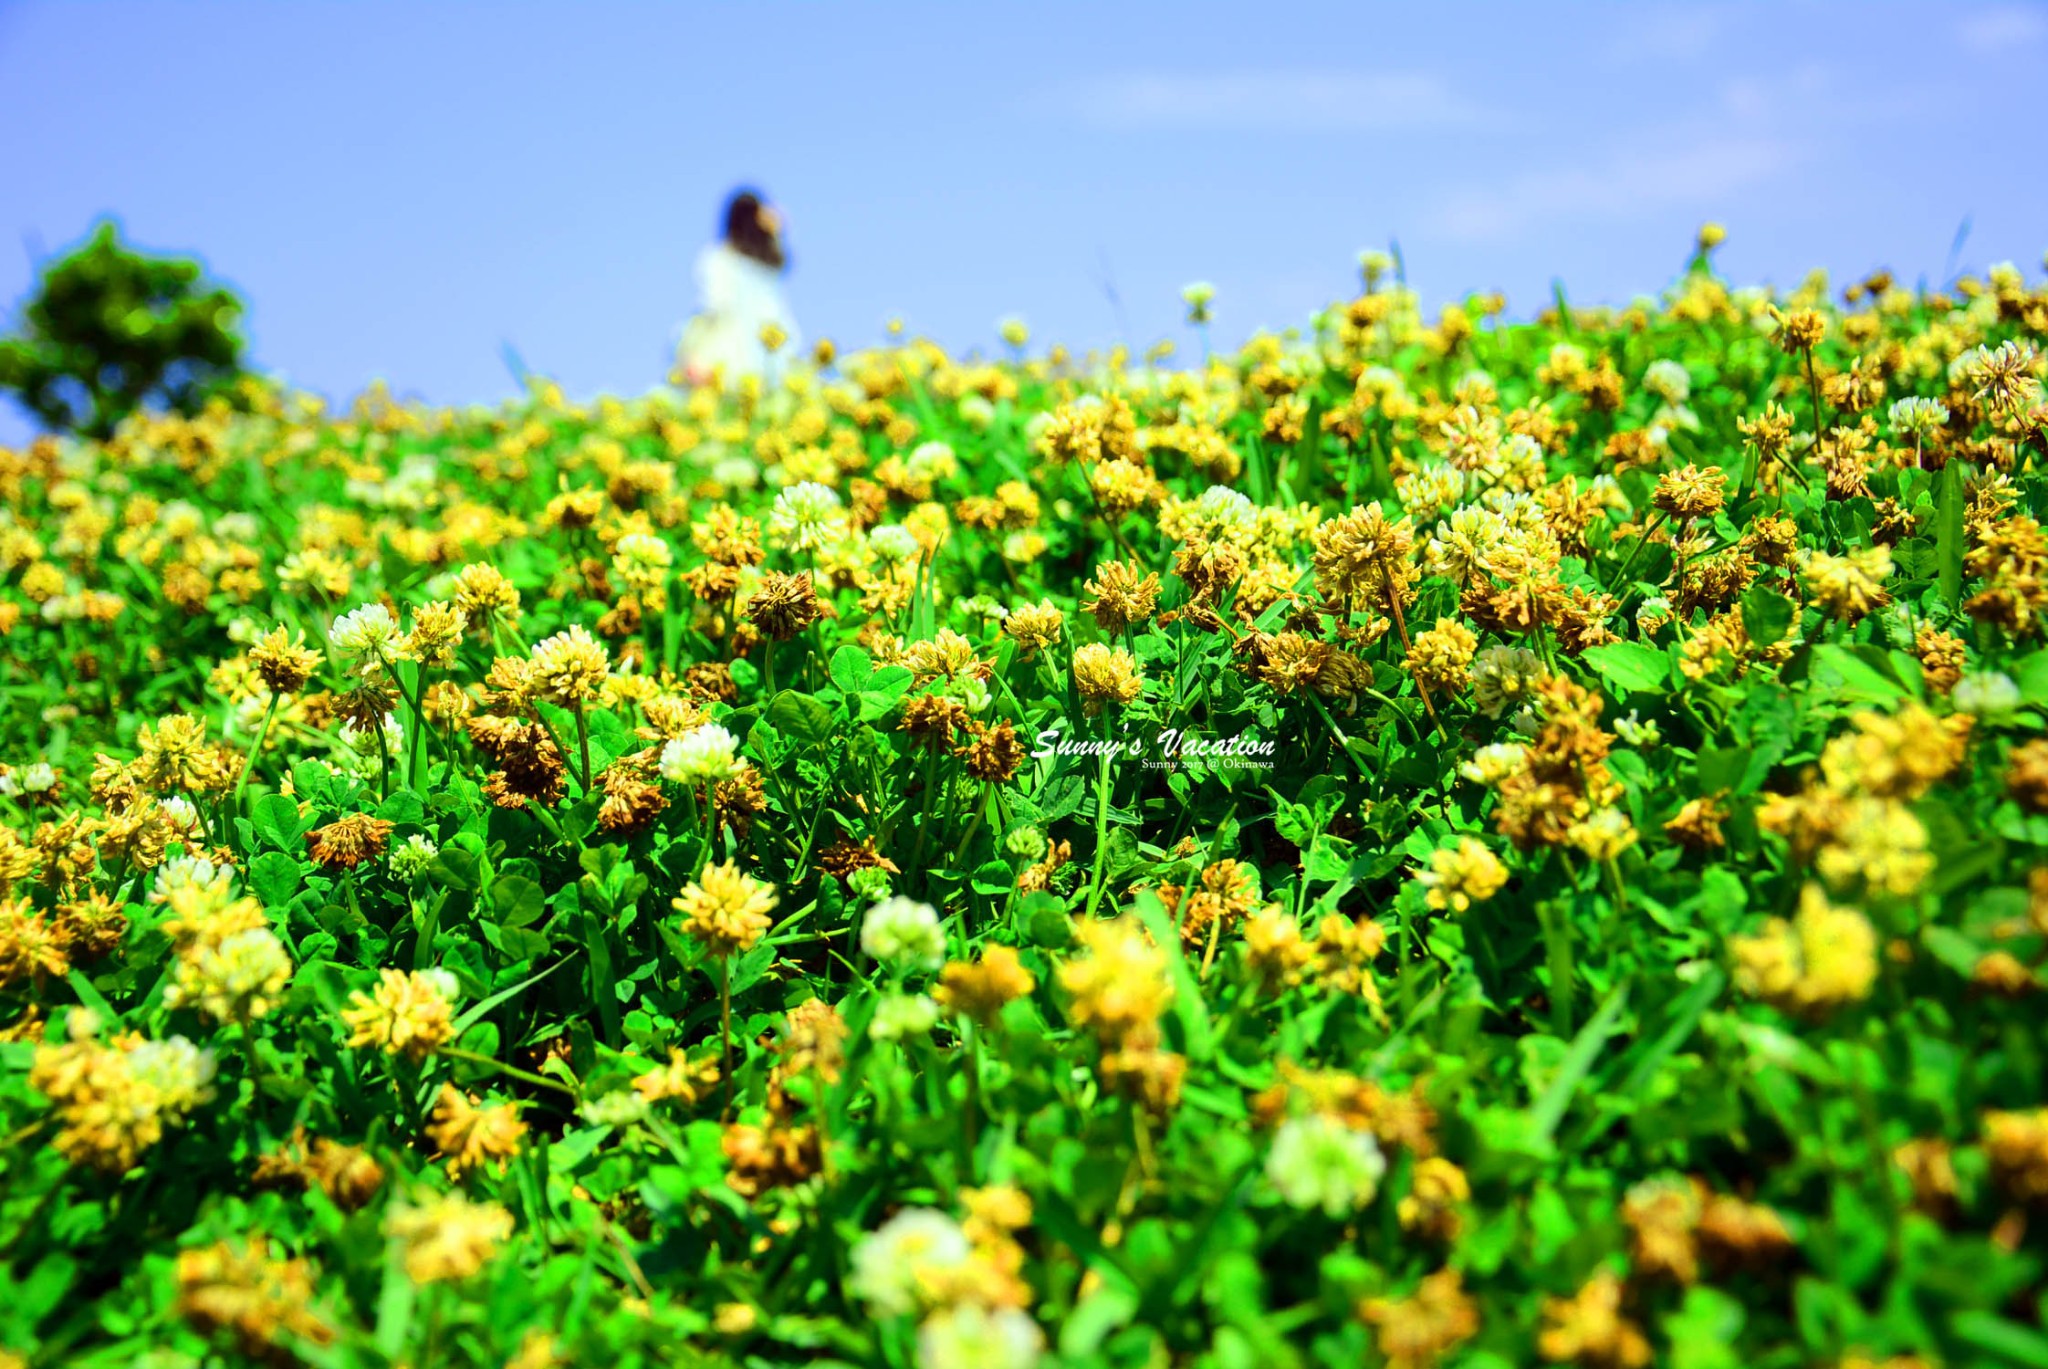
[(1223, 505), (409, 859), (1608, 492), (41, 777), (904, 933), (176, 1071), (983, 607), (1636, 732), (1917, 415), (1656, 609), (870, 882), (1990, 694), (1471, 540), (248, 712), (1667, 380), (639, 554), (1430, 487), (977, 412), (1023, 547), (1381, 381), (410, 487), (972, 693), (1523, 511), (736, 472), (903, 1014), (1521, 458), (894, 543), (366, 634), (894, 1262), (359, 754), (244, 631), (620, 1108), (237, 527), (806, 515), (2000, 373), (1027, 842), (182, 815), (444, 983), (1198, 295), (236, 979), (931, 461), (1604, 834), (1495, 762), (1317, 1161), (1475, 386), (708, 754), (969, 1336), (1567, 356), (1503, 676), (212, 883)]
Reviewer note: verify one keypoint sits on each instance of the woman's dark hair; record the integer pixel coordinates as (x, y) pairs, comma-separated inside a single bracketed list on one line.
[(749, 236)]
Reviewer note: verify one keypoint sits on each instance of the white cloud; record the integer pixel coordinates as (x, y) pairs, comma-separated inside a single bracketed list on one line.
[(2006, 26), (1790, 95), (1701, 173), (1666, 33), (1297, 101)]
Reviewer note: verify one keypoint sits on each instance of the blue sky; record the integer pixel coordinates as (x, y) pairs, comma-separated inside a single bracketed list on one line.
[(401, 190)]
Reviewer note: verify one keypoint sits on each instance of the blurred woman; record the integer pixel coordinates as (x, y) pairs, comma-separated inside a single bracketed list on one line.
[(744, 325)]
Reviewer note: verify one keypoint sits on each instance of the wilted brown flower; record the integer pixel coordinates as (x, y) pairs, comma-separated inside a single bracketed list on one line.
[(1416, 1331), (763, 1158), (992, 754), (1589, 1329), (1125, 596), (1690, 492), (245, 1291), (284, 662), (349, 841), (784, 605)]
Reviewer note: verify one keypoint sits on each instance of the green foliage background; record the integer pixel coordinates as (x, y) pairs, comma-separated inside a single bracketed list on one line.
[(109, 330)]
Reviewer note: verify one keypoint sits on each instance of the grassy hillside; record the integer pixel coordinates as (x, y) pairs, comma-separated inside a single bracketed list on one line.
[(1428, 841)]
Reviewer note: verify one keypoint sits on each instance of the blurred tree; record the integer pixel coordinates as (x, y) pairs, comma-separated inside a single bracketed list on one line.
[(110, 329)]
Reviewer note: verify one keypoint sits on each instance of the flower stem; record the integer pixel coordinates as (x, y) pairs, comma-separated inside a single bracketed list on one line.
[(249, 761), (583, 743), (1401, 622), (510, 1071), (971, 1039), (725, 1031), (416, 746), (1557, 938), (1101, 822), (1642, 540)]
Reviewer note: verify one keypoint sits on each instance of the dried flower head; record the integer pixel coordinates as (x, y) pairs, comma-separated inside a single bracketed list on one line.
[(284, 662)]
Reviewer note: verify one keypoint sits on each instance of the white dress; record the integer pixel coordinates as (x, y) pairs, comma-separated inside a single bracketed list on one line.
[(738, 295)]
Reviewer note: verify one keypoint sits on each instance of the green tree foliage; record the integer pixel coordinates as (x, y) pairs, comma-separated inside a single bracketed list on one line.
[(110, 330)]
